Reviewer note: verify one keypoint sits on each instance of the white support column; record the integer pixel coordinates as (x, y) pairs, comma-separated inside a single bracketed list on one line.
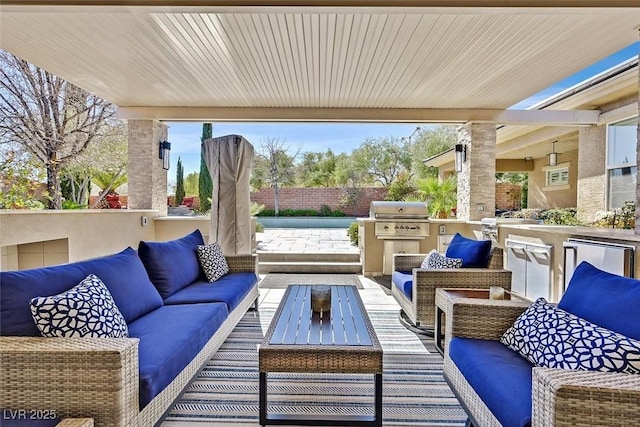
[(637, 228), (477, 180), (147, 180)]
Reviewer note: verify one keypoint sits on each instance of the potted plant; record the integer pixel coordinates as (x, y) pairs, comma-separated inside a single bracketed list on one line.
[(441, 196)]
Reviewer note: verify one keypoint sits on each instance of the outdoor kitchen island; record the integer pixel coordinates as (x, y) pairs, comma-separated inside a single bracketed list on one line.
[(340, 340)]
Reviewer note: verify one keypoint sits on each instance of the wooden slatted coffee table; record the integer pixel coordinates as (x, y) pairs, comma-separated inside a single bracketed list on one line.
[(339, 341)]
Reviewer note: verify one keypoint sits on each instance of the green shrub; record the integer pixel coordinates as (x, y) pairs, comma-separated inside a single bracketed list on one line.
[(565, 216), (300, 212), (259, 227), (624, 217), (352, 232), (70, 204)]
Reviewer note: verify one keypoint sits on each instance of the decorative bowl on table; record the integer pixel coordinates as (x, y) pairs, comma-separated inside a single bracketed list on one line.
[(320, 298)]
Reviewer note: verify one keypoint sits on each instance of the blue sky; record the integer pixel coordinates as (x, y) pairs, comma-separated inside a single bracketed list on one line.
[(339, 137)]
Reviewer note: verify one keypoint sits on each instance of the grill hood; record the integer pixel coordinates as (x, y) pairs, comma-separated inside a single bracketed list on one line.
[(399, 210)]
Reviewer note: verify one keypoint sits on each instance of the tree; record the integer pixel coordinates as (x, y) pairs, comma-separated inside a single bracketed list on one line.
[(400, 187), (104, 163), (191, 184), (383, 159), (52, 119), (205, 185), (317, 169), (20, 181), (179, 183), (279, 166), (428, 142)]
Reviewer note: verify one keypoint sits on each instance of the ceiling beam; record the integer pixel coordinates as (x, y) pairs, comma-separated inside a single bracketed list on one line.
[(339, 3), (365, 115)]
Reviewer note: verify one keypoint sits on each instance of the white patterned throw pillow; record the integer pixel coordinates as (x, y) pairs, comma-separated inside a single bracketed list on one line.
[(86, 310), (434, 260), (212, 261), (551, 337)]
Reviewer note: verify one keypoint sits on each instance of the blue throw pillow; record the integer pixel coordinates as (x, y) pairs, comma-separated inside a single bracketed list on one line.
[(605, 299), (86, 310), (551, 337), (122, 273), (174, 264), (474, 253)]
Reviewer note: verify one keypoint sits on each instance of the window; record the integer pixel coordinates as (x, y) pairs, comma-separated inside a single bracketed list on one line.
[(559, 176), (621, 162)]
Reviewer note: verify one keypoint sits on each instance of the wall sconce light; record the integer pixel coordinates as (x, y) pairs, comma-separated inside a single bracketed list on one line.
[(165, 153), (553, 156), (460, 156)]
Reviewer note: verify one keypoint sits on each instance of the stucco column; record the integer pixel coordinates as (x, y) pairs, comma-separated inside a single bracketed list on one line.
[(477, 180), (147, 180), (592, 171)]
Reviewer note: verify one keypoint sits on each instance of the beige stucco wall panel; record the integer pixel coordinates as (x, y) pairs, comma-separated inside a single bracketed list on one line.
[(169, 228), (556, 235), (39, 235), (541, 197), (592, 174)]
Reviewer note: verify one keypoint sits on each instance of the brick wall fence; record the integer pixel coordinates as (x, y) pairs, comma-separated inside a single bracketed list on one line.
[(314, 198), (508, 196)]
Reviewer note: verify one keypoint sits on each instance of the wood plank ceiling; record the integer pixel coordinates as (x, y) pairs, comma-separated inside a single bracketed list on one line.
[(288, 58)]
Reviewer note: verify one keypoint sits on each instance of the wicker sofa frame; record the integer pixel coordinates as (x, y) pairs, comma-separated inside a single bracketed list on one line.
[(560, 397), (98, 377), (420, 310)]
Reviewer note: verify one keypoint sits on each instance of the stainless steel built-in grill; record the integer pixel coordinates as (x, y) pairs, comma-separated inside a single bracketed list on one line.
[(401, 226), (490, 226), (399, 220)]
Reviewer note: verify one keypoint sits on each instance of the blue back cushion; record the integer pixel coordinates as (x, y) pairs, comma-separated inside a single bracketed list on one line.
[(174, 264), (123, 273), (606, 299), (500, 376), (474, 253)]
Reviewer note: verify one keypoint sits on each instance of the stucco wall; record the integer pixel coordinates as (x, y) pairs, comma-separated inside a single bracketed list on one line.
[(541, 197), (592, 178), (85, 233)]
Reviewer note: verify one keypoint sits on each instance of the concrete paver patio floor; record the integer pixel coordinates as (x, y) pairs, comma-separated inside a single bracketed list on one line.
[(305, 240)]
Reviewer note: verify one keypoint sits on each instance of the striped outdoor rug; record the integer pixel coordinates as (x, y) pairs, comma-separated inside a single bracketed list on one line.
[(414, 392)]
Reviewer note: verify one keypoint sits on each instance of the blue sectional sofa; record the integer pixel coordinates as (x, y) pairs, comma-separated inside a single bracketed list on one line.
[(578, 363), (176, 320)]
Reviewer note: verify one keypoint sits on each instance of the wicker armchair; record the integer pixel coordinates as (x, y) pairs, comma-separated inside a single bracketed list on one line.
[(559, 397), (420, 309)]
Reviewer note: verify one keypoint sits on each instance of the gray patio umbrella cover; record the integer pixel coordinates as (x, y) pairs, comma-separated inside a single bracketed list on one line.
[(229, 160)]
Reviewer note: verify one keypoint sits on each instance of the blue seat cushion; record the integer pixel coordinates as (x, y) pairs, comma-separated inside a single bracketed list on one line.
[(403, 280), (122, 273), (500, 376), (230, 289), (606, 299), (474, 253), (170, 337), (174, 264)]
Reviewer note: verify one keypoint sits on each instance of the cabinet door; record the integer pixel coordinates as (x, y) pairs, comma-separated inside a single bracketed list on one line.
[(517, 264), (538, 272), (397, 247)]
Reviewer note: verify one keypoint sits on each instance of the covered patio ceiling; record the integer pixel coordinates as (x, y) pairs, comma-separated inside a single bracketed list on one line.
[(420, 61)]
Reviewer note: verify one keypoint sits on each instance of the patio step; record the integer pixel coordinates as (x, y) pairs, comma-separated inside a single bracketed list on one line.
[(274, 262)]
